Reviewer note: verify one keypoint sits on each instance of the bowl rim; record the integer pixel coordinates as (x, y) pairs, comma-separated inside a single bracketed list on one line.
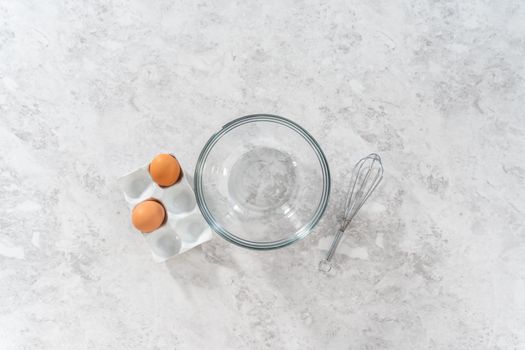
[(201, 202)]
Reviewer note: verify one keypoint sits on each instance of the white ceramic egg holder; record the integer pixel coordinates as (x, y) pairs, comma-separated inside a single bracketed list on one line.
[(184, 228)]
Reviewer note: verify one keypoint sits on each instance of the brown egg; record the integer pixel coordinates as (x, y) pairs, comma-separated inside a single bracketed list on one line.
[(148, 216), (164, 170)]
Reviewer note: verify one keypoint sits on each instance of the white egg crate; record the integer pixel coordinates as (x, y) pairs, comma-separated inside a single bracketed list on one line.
[(184, 228)]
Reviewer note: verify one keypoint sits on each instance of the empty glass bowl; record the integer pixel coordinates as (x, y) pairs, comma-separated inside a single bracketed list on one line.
[(262, 182)]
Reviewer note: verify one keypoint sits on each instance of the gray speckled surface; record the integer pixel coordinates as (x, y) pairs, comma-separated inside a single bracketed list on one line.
[(90, 90)]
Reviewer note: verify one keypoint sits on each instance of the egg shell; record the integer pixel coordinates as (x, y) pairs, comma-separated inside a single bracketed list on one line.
[(165, 170), (148, 216)]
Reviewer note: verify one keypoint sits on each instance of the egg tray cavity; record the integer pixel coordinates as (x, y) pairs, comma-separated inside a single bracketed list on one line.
[(185, 228)]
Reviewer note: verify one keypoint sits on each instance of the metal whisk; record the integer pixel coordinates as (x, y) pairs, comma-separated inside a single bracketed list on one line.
[(366, 176)]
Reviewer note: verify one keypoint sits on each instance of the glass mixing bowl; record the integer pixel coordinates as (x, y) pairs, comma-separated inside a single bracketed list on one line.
[(262, 182)]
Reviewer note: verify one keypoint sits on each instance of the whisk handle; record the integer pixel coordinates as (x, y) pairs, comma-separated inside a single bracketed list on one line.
[(334, 245), (325, 265)]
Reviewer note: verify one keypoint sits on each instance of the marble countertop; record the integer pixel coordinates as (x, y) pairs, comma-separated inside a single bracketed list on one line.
[(90, 90)]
